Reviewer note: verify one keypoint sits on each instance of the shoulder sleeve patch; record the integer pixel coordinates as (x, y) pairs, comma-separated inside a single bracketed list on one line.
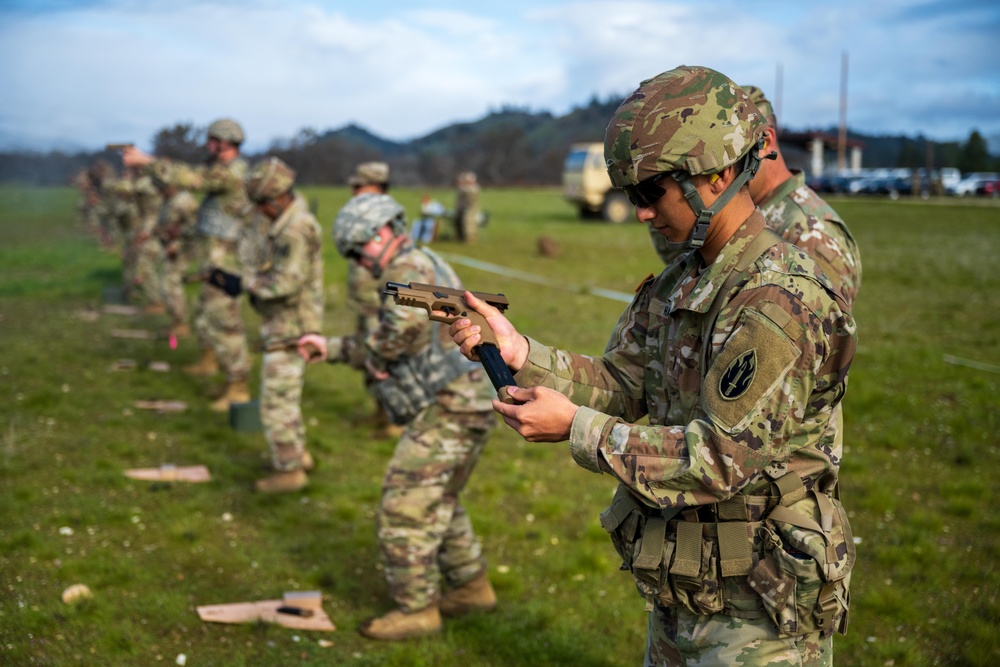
[(748, 372)]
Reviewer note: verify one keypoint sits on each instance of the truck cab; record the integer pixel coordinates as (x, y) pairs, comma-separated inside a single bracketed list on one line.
[(587, 186)]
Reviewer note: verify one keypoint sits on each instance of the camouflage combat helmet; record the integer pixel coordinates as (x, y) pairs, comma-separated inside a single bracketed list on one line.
[(370, 173), (681, 123), (226, 129), (269, 179), (763, 104), (361, 219)]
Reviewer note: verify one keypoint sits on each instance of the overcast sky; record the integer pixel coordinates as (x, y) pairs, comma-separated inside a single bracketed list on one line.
[(78, 74)]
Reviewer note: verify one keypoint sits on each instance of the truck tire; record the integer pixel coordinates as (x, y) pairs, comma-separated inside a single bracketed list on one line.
[(617, 208)]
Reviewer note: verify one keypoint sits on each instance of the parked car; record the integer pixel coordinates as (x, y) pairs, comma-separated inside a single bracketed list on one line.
[(988, 188), (970, 182)]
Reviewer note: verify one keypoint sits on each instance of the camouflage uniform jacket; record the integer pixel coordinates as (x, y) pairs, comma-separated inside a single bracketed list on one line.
[(781, 347), (802, 218), (405, 332), (139, 202), (287, 288), (225, 208), (177, 217)]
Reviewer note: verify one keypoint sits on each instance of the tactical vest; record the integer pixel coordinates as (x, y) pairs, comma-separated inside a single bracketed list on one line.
[(214, 221), (414, 381), (785, 553)]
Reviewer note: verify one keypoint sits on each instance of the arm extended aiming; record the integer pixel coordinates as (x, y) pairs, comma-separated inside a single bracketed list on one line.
[(445, 304)]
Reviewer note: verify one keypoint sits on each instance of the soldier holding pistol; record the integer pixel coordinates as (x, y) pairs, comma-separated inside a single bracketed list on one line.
[(425, 536), (225, 219), (726, 511)]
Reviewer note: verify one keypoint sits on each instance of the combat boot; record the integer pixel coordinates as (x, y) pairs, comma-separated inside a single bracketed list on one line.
[(154, 309), (306, 462), (207, 365), (477, 595), (181, 330), (236, 392), (282, 482), (399, 624)]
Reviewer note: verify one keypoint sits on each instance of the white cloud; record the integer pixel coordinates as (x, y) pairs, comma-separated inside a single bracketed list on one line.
[(122, 70)]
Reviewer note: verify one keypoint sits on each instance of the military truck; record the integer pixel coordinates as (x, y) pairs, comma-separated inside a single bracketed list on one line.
[(587, 186)]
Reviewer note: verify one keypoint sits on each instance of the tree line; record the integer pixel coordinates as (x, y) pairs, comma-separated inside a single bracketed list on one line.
[(508, 147)]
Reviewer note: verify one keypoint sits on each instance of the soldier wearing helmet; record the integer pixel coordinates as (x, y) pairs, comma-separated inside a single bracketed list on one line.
[(799, 215), (737, 354), (364, 297), (286, 289), (226, 227), (432, 558)]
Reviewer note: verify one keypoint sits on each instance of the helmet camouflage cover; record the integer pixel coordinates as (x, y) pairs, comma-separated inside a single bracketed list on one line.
[(269, 179), (226, 129), (690, 119), (762, 103), (369, 173), (362, 217)]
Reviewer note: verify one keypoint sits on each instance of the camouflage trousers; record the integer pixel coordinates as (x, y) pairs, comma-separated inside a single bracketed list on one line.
[(130, 257), (218, 324), (149, 259), (678, 638), (174, 270), (425, 536), (282, 375)]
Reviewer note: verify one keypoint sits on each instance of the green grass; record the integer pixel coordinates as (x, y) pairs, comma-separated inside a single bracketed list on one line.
[(920, 476)]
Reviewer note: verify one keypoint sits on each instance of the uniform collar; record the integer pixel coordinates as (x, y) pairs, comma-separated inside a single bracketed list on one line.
[(696, 289)]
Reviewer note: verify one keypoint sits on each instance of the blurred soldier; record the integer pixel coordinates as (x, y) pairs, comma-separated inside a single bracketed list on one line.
[(123, 211), (100, 174), (467, 207), (727, 511), (799, 215), (225, 218), (287, 291), (425, 536), (147, 248), (176, 229), (364, 297)]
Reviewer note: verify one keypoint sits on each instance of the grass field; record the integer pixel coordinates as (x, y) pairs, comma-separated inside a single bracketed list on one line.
[(920, 476)]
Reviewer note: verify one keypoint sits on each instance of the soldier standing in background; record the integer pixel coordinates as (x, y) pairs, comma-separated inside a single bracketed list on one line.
[(287, 292), (425, 536), (225, 218), (726, 511), (364, 297), (176, 229), (799, 215), (467, 207)]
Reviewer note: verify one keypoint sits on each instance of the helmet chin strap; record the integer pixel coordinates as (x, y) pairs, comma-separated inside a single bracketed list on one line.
[(376, 267), (751, 163)]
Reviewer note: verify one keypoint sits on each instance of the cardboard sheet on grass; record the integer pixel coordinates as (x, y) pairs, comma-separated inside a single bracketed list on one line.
[(171, 473), (302, 611)]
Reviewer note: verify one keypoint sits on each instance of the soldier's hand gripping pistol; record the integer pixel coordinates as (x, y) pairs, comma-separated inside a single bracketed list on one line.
[(445, 304)]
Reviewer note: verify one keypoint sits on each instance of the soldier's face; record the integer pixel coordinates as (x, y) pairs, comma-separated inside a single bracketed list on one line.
[(670, 215)]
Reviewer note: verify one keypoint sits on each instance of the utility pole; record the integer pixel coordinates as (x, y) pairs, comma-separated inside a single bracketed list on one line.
[(778, 82), (842, 135)]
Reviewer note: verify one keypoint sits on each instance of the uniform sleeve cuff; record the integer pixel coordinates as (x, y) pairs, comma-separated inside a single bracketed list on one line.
[(585, 437)]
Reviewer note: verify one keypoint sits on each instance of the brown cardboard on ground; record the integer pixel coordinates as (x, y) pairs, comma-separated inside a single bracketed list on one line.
[(171, 473), (123, 365), (162, 406), (134, 334), (159, 366), (120, 309), (267, 611)]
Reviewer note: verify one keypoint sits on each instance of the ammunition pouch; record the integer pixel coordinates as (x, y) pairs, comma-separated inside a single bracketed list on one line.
[(415, 381), (786, 556)]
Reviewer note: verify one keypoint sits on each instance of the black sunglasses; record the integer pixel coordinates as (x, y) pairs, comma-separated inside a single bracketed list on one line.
[(646, 193)]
